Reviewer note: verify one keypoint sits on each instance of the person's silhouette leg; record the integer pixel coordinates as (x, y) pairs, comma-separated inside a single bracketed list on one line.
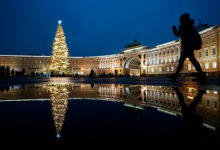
[(180, 66), (197, 99), (181, 99), (201, 76)]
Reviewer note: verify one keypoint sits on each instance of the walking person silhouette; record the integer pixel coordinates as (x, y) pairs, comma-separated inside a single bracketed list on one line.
[(187, 33)]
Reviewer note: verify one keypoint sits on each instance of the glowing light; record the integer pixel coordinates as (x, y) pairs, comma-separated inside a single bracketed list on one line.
[(190, 97), (59, 21), (58, 135), (133, 106)]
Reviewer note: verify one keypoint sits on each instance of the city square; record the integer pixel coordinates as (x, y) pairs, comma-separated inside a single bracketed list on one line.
[(73, 80)]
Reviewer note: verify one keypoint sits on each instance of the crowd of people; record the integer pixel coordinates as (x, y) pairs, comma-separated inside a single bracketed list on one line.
[(6, 72)]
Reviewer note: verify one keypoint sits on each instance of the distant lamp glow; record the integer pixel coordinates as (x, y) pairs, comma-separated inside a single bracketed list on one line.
[(59, 21)]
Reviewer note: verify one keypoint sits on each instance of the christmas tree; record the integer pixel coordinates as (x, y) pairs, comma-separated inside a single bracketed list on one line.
[(60, 55)]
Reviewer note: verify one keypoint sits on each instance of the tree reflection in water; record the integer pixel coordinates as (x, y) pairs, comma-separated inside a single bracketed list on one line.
[(59, 94)]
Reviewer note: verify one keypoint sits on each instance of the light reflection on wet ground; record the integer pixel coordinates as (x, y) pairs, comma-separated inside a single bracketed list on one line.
[(152, 115)]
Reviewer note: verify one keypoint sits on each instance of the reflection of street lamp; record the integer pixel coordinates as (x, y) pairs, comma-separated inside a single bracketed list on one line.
[(187, 63), (144, 67)]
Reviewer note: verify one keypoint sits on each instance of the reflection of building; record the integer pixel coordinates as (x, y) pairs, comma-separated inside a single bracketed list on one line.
[(59, 102), (134, 60), (161, 98)]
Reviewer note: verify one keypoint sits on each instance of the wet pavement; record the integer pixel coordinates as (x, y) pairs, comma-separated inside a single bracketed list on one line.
[(114, 113)]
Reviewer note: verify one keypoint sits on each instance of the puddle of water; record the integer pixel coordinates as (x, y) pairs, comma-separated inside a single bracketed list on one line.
[(115, 115)]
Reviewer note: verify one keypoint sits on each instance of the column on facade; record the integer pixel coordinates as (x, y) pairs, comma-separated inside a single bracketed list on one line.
[(115, 63), (100, 64)]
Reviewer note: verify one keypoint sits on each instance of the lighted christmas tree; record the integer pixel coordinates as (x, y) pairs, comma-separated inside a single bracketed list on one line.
[(60, 55)]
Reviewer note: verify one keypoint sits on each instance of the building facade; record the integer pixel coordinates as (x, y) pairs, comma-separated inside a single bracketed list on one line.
[(136, 60)]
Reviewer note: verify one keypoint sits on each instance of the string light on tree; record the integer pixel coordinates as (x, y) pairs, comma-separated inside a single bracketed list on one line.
[(60, 55)]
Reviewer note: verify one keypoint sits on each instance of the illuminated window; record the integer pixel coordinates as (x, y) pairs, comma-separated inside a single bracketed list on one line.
[(200, 53), (148, 69), (214, 65), (168, 69), (152, 69), (213, 51), (159, 69), (189, 67), (206, 65), (168, 59), (159, 61), (177, 57), (206, 52), (172, 68)]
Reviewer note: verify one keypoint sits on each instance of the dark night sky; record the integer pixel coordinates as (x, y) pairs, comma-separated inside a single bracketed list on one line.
[(95, 27)]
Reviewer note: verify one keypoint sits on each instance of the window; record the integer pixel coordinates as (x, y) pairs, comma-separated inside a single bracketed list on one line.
[(148, 69), (206, 65), (206, 41), (163, 52), (177, 58), (200, 53), (214, 65), (163, 69), (206, 52), (213, 39), (159, 69), (159, 61), (213, 51), (168, 59), (168, 52), (172, 51), (152, 69), (155, 70), (189, 67), (172, 68), (207, 103), (155, 54), (168, 69), (177, 50), (215, 105), (159, 53)]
